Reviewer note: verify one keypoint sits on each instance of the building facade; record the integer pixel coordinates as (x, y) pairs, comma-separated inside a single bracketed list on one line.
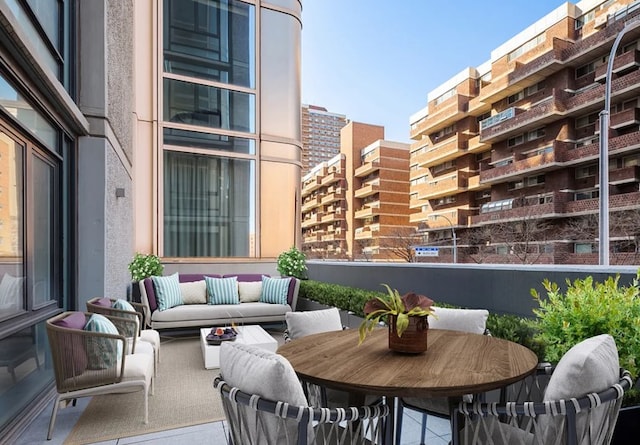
[(154, 126), (320, 135), (507, 153), (355, 206)]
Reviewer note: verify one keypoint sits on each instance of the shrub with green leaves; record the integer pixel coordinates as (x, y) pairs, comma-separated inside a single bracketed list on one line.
[(587, 309), (145, 265), (292, 263), (343, 297)]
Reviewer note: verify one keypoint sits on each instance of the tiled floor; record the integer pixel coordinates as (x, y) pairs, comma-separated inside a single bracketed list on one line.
[(438, 430)]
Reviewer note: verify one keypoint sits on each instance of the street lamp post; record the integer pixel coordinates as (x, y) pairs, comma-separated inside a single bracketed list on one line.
[(603, 226), (453, 234)]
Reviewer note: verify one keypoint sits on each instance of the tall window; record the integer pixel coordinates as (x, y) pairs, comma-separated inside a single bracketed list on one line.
[(209, 124)]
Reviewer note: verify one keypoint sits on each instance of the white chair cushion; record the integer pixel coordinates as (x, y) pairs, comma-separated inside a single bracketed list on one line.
[(257, 371), (465, 320), (300, 324), (138, 367), (150, 336)]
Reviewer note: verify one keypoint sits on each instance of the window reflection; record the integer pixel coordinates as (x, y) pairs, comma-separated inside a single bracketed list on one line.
[(11, 227), (210, 39), (196, 139), (44, 185)]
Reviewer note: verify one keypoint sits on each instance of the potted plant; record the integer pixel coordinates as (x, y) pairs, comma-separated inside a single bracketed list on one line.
[(406, 314), (292, 263), (589, 308), (143, 266)]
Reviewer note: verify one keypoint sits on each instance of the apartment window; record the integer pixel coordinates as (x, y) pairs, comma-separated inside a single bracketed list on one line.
[(587, 171), (587, 141), (502, 250), (584, 248), (585, 194), (630, 161), (484, 194), (535, 134), (198, 40), (515, 97), (587, 120), (539, 200), (526, 182), (539, 151), (504, 204), (585, 69), (445, 96), (585, 18), (526, 47), (482, 117), (503, 162), (442, 133), (442, 167), (516, 140), (446, 200)]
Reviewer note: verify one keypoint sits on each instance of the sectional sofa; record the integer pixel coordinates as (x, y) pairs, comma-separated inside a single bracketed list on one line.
[(200, 308)]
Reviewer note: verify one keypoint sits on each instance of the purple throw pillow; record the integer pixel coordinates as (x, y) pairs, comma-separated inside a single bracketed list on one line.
[(103, 302), (73, 351)]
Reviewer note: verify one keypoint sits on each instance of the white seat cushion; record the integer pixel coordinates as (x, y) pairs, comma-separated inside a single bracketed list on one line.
[(150, 336), (300, 324)]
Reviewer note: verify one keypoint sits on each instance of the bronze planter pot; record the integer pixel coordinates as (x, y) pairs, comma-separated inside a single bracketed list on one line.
[(414, 338)]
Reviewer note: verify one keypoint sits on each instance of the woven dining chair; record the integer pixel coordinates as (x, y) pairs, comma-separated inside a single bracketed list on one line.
[(465, 320), (575, 403), (88, 363), (256, 416)]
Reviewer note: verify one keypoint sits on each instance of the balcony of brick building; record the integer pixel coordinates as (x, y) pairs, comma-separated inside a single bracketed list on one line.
[(623, 119), (520, 120), (539, 160), (542, 66), (430, 220), (332, 177), (332, 195), (442, 151), (311, 203), (617, 145), (442, 115), (475, 144), (311, 185), (621, 64), (519, 209), (622, 87), (368, 210), (367, 189), (616, 202), (622, 175), (310, 221), (366, 169), (442, 185)]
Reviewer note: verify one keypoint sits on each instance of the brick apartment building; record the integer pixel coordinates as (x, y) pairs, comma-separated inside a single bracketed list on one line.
[(320, 135), (356, 205), (507, 153)]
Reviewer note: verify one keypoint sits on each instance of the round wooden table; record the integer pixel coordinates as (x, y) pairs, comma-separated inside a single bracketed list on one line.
[(455, 363)]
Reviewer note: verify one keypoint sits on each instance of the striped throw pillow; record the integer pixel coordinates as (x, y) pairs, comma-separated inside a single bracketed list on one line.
[(168, 292), (274, 290), (102, 353), (222, 290)]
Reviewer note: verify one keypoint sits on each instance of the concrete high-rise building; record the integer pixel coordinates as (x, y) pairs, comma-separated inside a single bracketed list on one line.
[(320, 135), (356, 204), (507, 152)]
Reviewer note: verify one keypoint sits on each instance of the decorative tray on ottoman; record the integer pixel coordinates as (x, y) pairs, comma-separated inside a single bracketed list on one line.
[(218, 335)]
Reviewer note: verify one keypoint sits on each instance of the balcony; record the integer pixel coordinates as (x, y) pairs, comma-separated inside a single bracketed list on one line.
[(622, 87), (363, 233), (521, 211), (624, 62), (549, 158), (475, 145), (618, 144), (313, 238), (310, 221), (331, 178), (624, 118), (311, 186), (442, 115), (442, 186), (441, 152), (367, 190), (522, 120), (542, 66), (593, 205), (622, 175), (368, 211), (311, 203), (334, 196), (334, 237), (366, 169)]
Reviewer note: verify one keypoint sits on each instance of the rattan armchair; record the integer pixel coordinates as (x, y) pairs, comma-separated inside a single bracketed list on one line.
[(104, 306), (89, 363), (587, 420), (256, 420)]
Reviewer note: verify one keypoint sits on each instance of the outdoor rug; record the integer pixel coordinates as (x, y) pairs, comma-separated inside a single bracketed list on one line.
[(184, 396)]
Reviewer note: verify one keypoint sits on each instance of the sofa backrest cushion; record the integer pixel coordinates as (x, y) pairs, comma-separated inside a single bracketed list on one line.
[(222, 290), (167, 290)]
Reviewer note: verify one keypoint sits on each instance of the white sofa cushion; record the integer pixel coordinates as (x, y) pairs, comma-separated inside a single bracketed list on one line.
[(465, 320), (194, 292), (249, 291)]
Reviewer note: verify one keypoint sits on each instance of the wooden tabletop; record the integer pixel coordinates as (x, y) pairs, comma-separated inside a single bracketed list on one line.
[(454, 364)]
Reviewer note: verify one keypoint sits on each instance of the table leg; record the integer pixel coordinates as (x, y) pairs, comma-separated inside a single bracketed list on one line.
[(390, 423)]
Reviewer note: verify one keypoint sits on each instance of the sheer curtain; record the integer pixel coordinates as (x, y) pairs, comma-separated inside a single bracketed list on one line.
[(207, 205)]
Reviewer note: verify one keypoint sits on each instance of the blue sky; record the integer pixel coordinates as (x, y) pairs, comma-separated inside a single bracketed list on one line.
[(376, 60)]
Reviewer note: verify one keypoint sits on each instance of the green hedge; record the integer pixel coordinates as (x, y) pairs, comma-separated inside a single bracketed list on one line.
[(509, 327)]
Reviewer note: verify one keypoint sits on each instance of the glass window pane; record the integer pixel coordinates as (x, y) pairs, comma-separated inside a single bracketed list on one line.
[(16, 105), (196, 139), (25, 371), (12, 287), (213, 40), (44, 255), (193, 104), (48, 14), (209, 206)]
